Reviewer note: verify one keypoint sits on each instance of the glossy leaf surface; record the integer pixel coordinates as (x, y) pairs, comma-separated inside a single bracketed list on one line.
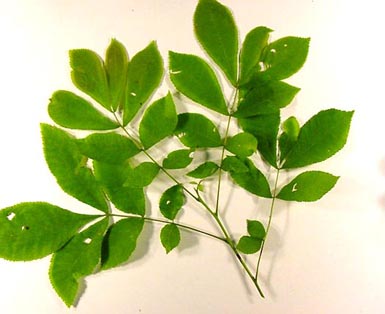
[(170, 237)]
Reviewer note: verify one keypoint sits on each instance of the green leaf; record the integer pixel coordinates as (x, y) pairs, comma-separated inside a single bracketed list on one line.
[(144, 75), (216, 31), (158, 122), (77, 259), (249, 245), (108, 147), (89, 75), (112, 177), (265, 129), (309, 186), (170, 237), (242, 144), (141, 175), (172, 201), (291, 128), (71, 111), (264, 97), (253, 180), (284, 57), (251, 52), (204, 170), (289, 136), (234, 164), (116, 68), (178, 159), (33, 230), (67, 165), (120, 241), (195, 130), (256, 229), (320, 138), (194, 78)]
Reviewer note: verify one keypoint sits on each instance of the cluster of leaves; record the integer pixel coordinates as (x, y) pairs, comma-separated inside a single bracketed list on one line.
[(112, 167)]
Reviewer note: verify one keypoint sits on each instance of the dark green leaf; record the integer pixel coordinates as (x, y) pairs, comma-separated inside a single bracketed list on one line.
[(141, 175), (116, 68), (178, 159), (242, 144), (308, 187), (120, 241), (144, 75), (195, 130), (108, 147), (251, 51), (170, 237), (264, 97), (204, 170), (249, 245), (77, 259), (217, 33), (256, 229), (30, 231), (253, 180), (284, 57), (158, 122), (193, 77), (234, 164), (172, 201), (68, 166), (320, 138), (265, 129), (71, 111), (112, 178), (89, 75)]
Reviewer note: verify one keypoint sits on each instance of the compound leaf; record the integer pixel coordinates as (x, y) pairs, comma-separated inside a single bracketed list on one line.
[(178, 159), (320, 138), (216, 31), (142, 175), (68, 166), (89, 75), (77, 259), (71, 111), (144, 74), (170, 237), (308, 187), (195, 130), (158, 122), (172, 201), (242, 144), (249, 245), (204, 170), (194, 78), (34, 230), (120, 241)]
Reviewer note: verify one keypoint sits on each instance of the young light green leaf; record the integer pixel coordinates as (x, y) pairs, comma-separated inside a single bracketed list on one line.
[(67, 165), (194, 78), (320, 138), (253, 181), (144, 75), (216, 31), (234, 164), (120, 241), (33, 230), (289, 136), (242, 144), (108, 147), (265, 129), (170, 237), (264, 97), (158, 122), (291, 127), (77, 259), (116, 68), (71, 111), (256, 229), (89, 75), (204, 170), (309, 186), (178, 159), (112, 177), (249, 245), (195, 130), (172, 201), (141, 175)]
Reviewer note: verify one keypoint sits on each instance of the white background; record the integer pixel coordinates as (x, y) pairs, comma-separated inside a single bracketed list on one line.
[(325, 257)]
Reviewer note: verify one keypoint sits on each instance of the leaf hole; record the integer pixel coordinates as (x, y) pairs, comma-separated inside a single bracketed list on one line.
[(273, 50), (11, 215), (87, 241), (262, 66), (25, 228), (175, 72), (168, 202), (285, 45), (133, 94), (294, 188)]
